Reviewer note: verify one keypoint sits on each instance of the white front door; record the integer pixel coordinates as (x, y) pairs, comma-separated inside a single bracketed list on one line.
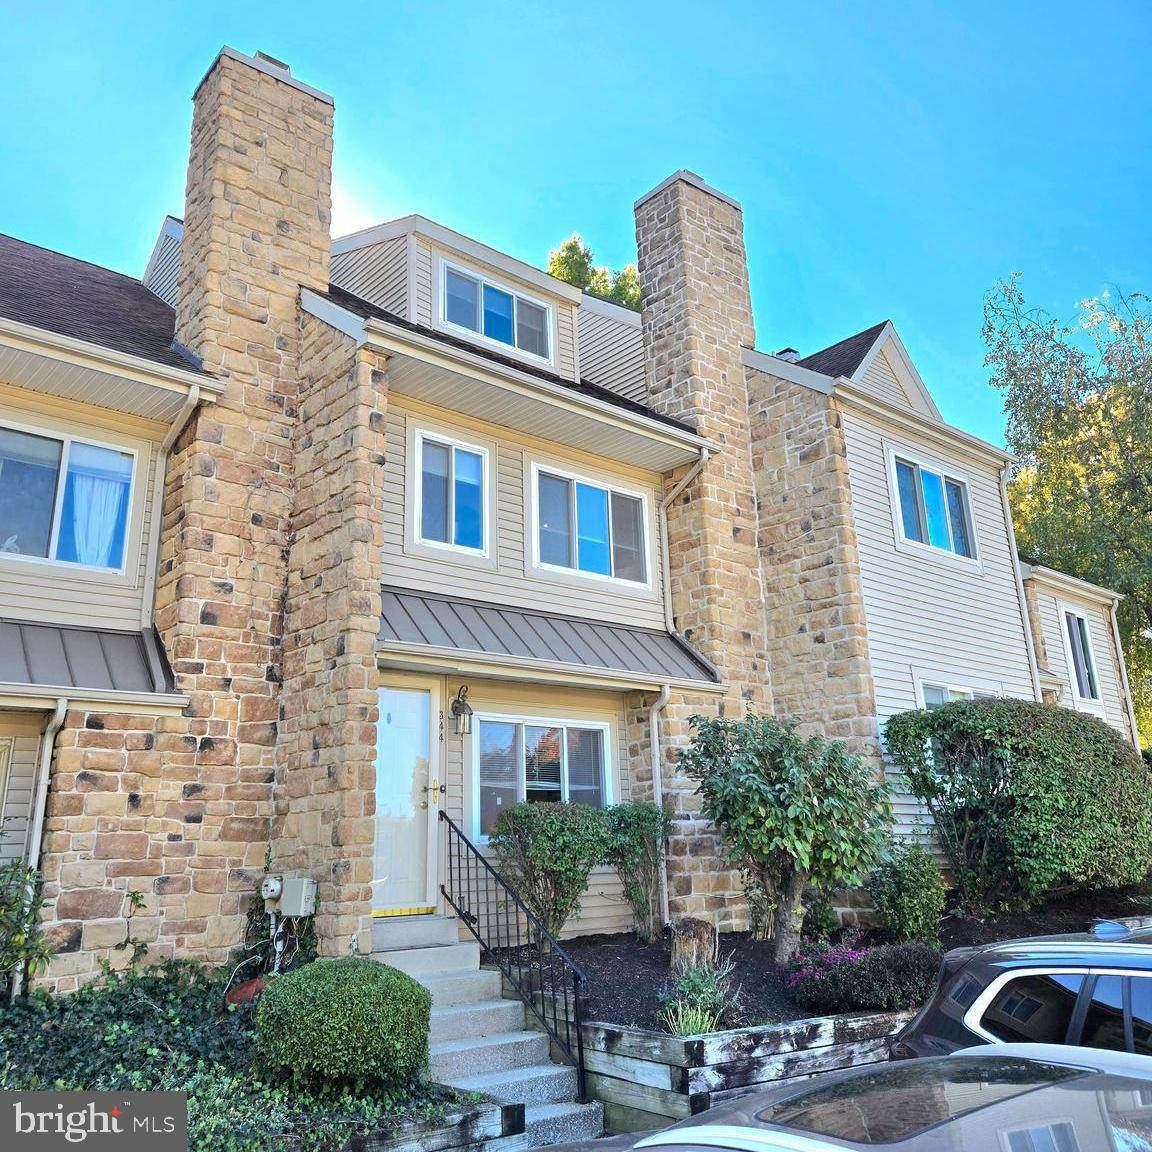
[(407, 798)]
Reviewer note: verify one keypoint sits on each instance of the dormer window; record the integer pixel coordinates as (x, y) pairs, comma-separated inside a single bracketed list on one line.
[(494, 312)]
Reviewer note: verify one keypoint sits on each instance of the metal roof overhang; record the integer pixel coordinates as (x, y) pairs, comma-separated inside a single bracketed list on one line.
[(429, 370), (86, 373)]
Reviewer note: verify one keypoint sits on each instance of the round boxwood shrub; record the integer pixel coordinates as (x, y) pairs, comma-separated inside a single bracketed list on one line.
[(349, 1024), (1028, 800)]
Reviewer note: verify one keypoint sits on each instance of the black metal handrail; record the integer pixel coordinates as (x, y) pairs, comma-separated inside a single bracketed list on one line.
[(513, 938)]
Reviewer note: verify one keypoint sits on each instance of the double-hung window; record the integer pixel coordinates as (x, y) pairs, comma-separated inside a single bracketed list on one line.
[(1083, 665), (64, 499), (591, 528), (538, 761), (477, 305), (934, 508), (453, 493)]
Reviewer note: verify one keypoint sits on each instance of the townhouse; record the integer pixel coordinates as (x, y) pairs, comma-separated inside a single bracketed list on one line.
[(304, 541)]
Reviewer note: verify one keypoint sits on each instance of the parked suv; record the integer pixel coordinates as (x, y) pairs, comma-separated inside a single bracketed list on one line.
[(1093, 989)]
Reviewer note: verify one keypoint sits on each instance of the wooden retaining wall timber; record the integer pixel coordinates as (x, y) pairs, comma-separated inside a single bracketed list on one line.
[(649, 1079), (468, 1128)]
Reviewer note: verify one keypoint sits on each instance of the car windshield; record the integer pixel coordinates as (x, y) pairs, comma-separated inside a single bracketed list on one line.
[(899, 1101)]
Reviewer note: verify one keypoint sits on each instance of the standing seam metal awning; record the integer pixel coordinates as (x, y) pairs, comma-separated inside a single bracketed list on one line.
[(47, 655), (464, 626)]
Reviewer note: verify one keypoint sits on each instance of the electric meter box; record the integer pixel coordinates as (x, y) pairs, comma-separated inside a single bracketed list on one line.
[(298, 897)]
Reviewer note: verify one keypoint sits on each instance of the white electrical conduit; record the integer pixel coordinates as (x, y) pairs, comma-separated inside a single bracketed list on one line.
[(40, 800), (1021, 598)]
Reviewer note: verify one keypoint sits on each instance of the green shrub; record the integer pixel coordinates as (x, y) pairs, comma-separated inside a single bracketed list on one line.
[(908, 890), (546, 852), (844, 977), (351, 1023), (791, 811), (637, 834), (702, 1000), (1028, 799), (23, 947), (820, 919)]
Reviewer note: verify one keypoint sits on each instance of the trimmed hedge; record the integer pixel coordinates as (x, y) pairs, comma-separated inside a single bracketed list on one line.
[(351, 1023), (1028, 799)]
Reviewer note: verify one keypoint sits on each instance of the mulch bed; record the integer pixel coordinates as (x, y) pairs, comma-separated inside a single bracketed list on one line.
[(627, 979)]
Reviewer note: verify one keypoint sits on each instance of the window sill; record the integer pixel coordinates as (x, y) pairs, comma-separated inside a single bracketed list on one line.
[(493, 345), (913, 548), (60, 571), (571, 577), (458, 557)]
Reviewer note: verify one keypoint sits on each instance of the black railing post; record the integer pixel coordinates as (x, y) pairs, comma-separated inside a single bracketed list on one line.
[(529, 967)]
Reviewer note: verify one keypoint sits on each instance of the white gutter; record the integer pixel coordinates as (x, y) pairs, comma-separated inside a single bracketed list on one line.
[(1021, 598), (662, 527), (657, 706), (39, 801), (1124, 679), (159, 474)]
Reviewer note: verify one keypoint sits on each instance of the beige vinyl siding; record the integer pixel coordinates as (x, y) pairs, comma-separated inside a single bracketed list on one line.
[(881, 380), (604, 908), (19, 747), (1051, 603), (377, 273), (930, 616), (59, 593), (504, 579), (164, 275), (612, 354), (427, 293)]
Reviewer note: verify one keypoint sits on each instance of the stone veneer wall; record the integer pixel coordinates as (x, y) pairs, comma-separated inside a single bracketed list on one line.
[(817, 627), (180, 807), (1032, 604), (325, 796), (697, 315)]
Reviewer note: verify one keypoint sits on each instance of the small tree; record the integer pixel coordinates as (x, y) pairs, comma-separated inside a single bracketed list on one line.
[(546, 852), (637, 834), (792, 812), (574, 263)]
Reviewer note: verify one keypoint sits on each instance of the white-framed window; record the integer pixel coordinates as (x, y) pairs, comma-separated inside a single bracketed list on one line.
[(535, 759), (588, 527), (932, 505), (1059, 1136), (937, 695), (64, 499), (479, 306), (452, 490), (1081, 658)]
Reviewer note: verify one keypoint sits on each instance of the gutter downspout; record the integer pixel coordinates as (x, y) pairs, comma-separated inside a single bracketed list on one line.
[(665, 504), (1021, 598), (39, 802), (1124, 678), (655, 708), (159, 474)]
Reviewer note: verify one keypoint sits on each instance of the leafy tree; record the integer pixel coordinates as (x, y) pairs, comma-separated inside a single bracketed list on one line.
[(1079, 400), (574, 263), (792, 812)]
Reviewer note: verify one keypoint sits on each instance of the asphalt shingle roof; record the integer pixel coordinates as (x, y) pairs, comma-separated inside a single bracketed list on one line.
[(845, 356), (70, 297)]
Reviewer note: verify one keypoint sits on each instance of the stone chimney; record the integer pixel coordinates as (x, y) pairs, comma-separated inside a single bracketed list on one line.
[(256, 230), (696, 315)]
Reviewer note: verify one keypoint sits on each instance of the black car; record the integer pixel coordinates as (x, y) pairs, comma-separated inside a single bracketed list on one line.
[(1017, 1098), (1092, 989)]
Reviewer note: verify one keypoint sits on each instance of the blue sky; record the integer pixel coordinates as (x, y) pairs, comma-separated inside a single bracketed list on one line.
[(893, 160)]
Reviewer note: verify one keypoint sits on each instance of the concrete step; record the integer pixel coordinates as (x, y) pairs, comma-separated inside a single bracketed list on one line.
[(433, 958), (482, 1018), (389, 932), (533, 1084), (450, 1059), (452, 988), (560, 1123)]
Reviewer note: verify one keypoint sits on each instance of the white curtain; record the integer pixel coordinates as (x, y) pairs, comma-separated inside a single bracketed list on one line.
[(96, 510)]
